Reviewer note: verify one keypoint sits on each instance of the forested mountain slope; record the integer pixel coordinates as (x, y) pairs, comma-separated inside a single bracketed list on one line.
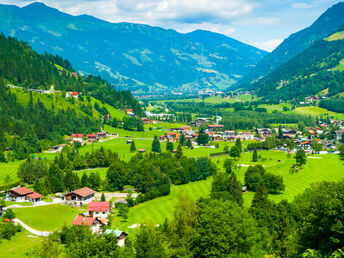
[(317, 68), (31, 122), (324, 26), (139, 57)]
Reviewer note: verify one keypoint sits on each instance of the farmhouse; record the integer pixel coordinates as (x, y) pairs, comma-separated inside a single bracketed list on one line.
[(22, 194), (99, 209), (101, 135), (92, 137), (264, 131), (94, 224), (121, 235), (142, 150), (77, 137), (80, 197)]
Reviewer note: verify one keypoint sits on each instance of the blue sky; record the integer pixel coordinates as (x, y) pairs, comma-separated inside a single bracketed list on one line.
[(262, 23)]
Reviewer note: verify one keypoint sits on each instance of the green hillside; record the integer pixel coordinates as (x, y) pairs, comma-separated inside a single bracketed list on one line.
[(317, 68)]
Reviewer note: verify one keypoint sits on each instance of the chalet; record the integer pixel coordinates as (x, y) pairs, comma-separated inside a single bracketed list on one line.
[(142, 150), (129, 141), (80, 197), (93, 223), (72, 94), (77, 137), (92, 137), (129, 112), (99, 209), (216, 128), (22, 194), (121, 235), (200, 121), (264, 132), (101, 135)]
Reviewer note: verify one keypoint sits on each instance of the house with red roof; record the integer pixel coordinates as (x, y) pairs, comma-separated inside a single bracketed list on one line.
[(80, 197), (93, 223), (77, 137), (23, 194), (99, 209), (92, 137), (216, 128)]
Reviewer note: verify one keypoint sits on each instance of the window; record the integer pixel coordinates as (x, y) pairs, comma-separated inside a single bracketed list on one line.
[(103, 212)]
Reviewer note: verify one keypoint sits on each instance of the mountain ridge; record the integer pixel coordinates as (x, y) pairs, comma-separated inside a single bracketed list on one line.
[(326, 24), (138, 57)]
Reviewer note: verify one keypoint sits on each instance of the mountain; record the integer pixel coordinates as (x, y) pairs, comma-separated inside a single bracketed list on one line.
[(318, 68), (139, 57), (325, 25)]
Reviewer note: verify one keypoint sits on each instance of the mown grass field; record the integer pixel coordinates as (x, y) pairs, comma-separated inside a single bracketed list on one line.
[(8, 172), (320, 168), (102, 172), (48, 218), (317, 111), (18, 245)]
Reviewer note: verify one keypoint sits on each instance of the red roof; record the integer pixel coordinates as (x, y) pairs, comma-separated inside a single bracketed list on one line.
[(34, 195), (80, 220), (91, 136), (83, 192), (75, 93), (22, 191), (99, 206), (75, 135), (129, 109), (7, 220)]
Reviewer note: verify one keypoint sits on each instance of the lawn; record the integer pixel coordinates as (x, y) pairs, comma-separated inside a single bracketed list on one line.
[(17, 246), (320, 168), (102, 172), (317, 111), (48, 218), (8, 172), (278, 107)]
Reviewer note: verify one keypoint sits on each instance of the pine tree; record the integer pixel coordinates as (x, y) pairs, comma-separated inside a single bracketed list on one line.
[(280, 132), (156, 145), (132, 147), (235, 189), (238, 144), (255, 156), (102, 198), (182, 140), (179, 152), (189, 144), (84, 180), (169, 146)]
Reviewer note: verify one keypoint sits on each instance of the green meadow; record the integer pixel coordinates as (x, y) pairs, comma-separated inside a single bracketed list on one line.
[(8, 172), (48, 218), (318, 168), (317, 111), (18, 245)]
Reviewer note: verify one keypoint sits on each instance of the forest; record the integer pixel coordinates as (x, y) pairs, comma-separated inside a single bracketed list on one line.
[(315, 72), (335, 104)]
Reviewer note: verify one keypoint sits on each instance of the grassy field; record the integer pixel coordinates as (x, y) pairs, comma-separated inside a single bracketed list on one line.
[(49, 217), (278, 107), (317, 111), (113, 111), (101, 171), (336, 36), (319, 168), (8, 172), (17, 246)]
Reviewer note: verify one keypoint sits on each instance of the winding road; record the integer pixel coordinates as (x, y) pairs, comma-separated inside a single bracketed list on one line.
[(31, 230)]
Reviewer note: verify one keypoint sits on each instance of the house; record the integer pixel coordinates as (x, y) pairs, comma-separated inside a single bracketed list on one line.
[(23, 194), (74, 74), (121, 235), (337, 135), (77, 137), (130, 112), (99, 209), (264, 132), (94, 224), (216, 128), (200, 121), (72, 94), (101, 134), (80, 197), (142, 150), (92, 137)]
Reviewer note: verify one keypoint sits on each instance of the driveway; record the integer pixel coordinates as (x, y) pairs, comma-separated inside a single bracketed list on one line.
[(31, 230), (41, 203)]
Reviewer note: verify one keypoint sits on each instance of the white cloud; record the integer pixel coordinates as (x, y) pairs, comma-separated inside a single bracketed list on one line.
[(302, 5), (268, 45)]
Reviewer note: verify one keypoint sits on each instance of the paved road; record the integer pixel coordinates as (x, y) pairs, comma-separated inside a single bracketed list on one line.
[(42, 203), (31, 230)]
